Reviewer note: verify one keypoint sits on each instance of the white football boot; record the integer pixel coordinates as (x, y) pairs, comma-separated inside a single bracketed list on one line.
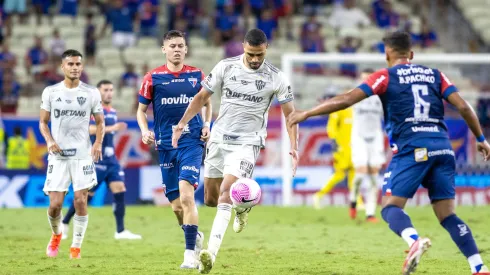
[(127, 235), (190, 260), (241, 220), (206, 261), (418, 248)]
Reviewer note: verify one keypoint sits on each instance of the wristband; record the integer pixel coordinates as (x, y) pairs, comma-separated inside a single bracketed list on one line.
[(481, 138), (207, 124)]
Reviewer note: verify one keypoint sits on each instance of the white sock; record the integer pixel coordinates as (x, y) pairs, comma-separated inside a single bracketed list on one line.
[(79, 227), (55, 223), (356, 184), (407, 234), (220, 224), (372, 196), (475, 261)]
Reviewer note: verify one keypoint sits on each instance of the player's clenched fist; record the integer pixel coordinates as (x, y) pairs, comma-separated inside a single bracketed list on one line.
[(53, 148), (484, 149), (205, 132), (148, 137), (97, 151)]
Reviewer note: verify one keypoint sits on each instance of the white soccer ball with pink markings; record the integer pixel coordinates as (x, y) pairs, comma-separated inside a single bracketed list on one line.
[(245, 193)]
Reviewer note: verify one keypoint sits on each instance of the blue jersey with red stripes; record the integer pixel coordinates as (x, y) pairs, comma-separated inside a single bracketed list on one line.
[(108, 150), (412, 101), (171, 93)]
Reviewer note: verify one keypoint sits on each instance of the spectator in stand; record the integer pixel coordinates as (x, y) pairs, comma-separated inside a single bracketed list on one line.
[(312, 42), (283, 9), (349, 44), (36, 57), (172, 16), (90, 43), (384, 15), (348, 15), (122, 19), (57, 46), (133, 5), (128, 78), (8, 60), (257, 6), (234, 47), (9, 94), (225, 22), (427, 37), (51, 74), (69, 8), (268, 24), (311, 25), (11, 7), (41, 7), (149, 18), (204, 25)]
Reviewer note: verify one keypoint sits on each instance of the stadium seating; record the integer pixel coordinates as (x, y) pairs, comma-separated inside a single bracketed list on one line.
[(201, 53)]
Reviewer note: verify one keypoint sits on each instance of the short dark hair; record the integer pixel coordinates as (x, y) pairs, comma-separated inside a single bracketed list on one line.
[(368, 71), (255, 37), (399, 41), (17, 131), (103, 82), (173, 34), (71, 53)]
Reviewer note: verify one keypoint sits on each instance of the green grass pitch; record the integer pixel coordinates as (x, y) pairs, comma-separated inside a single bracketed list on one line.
[(276, 241)]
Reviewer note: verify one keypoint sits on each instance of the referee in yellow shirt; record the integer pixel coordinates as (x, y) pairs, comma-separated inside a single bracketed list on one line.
[(339, 129)]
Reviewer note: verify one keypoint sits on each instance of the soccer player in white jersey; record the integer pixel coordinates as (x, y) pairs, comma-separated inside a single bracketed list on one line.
[(367, 138), (247, 85), (69, 105)]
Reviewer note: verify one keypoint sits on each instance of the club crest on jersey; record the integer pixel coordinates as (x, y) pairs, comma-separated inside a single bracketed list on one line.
[(193, 81), (81, 100), (259, 84)]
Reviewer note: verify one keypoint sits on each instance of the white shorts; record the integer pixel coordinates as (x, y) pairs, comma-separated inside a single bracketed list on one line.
[(123, 39), (62, 172), (368, 151), (233, 159)]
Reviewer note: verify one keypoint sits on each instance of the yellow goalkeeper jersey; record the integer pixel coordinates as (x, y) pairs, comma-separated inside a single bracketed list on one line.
[(339, 128)]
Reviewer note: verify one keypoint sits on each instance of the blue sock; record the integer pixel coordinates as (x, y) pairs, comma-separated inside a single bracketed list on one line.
[(461, 235), (190, 233), (400, 223), (119, 211), (69, 214)]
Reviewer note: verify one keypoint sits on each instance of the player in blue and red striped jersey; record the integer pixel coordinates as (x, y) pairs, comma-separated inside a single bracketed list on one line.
[(108, 169), (170, 88), (412, 97)]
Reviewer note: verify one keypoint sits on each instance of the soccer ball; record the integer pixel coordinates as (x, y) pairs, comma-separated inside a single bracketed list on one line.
[(245, 193)]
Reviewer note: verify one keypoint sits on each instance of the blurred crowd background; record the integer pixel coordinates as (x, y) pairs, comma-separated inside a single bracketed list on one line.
[(121, 40)]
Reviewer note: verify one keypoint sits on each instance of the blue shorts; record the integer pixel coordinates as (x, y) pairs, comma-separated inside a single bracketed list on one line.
[(107, 173), (426, 162), (180, 164)]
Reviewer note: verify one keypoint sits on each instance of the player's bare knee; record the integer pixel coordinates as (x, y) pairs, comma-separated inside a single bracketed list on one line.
[(187, 201), (210, 200), (55, 207), (117, 187), (443, 208)]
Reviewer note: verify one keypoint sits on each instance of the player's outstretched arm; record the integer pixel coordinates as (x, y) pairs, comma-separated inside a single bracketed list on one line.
[(53, 148), (287, 109), (207, 112), (148, 137), (194, 107), (99, 137), (329, 106), (471, 119)]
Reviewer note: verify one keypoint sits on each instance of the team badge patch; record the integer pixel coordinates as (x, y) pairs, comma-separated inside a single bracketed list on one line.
[(420, 154), (193, 81), (259, 84), (81, 100)]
